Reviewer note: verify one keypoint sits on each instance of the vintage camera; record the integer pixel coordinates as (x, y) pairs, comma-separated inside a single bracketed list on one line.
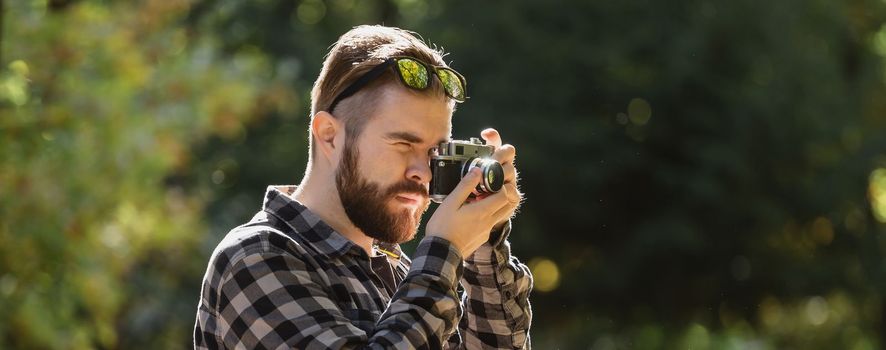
[(454, 159)]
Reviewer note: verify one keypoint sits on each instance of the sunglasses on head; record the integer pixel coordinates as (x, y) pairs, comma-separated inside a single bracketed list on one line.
[(415, 74)]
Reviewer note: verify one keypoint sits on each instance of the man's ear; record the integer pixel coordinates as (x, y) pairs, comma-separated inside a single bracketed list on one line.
[(325, 128)]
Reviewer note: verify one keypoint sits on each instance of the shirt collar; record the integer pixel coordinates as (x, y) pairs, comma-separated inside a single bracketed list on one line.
[(279, 203)]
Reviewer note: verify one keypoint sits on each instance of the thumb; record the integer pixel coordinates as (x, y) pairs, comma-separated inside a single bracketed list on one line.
[(461, 192)]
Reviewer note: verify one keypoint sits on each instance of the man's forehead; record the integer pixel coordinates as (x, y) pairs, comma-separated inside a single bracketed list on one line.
[(407, 114), (413, 131), (411, 137)]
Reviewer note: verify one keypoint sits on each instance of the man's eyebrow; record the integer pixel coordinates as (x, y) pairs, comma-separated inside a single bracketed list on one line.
[(408, 137), (405, 136)]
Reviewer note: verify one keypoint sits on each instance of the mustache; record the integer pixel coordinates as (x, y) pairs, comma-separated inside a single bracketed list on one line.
[(408, 187)]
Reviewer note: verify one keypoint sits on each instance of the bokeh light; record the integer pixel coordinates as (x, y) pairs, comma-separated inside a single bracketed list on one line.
[(817, 310), (14, 84), (639, 111), (545, 273), (877, 192), (311, 11), (822, 231)]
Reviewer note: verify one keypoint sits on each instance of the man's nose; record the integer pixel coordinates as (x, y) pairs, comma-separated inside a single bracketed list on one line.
[(419, 170)]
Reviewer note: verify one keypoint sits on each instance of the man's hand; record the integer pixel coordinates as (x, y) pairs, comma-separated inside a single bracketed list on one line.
[(505, 155), (468, 224)]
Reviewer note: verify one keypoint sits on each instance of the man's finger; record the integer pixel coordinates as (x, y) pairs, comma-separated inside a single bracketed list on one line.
[(510, 173), (505, 154), (464, 188), (492, 137), (492, 203), (513, 197)]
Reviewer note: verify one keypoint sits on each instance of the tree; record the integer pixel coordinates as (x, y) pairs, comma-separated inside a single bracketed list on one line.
[(705, 174), (99, 245)]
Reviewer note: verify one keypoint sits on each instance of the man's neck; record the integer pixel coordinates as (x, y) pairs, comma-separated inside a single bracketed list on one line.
[(320, 195)]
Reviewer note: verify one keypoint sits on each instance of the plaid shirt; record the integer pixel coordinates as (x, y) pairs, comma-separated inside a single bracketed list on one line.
[(288, 280)]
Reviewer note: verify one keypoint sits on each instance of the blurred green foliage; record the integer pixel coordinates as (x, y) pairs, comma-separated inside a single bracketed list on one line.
[(699, 174), (99, 248)]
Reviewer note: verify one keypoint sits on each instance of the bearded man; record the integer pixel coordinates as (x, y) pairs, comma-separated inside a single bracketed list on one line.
[(319, 266)]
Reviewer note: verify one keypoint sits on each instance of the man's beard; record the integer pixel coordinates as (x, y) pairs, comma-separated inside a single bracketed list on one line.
[(367, 205)]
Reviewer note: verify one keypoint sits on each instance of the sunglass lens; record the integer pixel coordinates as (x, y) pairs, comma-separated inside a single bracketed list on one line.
[(414, 73), (452, 83)]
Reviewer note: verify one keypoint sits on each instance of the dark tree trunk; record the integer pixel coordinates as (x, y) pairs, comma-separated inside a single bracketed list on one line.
[(2, 14)]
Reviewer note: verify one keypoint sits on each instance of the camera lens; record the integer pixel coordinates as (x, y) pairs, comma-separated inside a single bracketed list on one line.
[(491, 174)]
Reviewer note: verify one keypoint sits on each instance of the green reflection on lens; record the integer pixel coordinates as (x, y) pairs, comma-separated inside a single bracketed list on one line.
[(414, 74), (451, 83)]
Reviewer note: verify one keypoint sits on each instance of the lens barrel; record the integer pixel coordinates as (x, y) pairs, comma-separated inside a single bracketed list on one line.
[(492, 175)]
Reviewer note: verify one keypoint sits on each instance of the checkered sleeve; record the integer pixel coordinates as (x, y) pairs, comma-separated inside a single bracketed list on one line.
[(273, 299), (497, 286)]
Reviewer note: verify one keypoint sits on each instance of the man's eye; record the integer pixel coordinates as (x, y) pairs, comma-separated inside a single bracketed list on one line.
[(433, 151)]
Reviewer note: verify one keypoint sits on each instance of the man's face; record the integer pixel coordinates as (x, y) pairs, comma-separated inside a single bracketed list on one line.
[(383, 179)]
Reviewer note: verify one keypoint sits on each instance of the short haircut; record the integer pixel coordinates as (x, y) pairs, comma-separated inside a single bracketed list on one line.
[(355, 53)]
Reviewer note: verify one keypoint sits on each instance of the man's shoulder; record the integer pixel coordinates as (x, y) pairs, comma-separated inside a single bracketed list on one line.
[(258, 236)]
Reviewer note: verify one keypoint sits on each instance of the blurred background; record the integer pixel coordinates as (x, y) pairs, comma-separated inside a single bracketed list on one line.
[(698, 174)]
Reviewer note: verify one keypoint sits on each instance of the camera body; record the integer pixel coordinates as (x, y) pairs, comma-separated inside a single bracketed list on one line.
[(455, 158)]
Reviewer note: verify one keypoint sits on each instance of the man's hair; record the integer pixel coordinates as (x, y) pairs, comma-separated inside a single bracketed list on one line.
[(355, 53)]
